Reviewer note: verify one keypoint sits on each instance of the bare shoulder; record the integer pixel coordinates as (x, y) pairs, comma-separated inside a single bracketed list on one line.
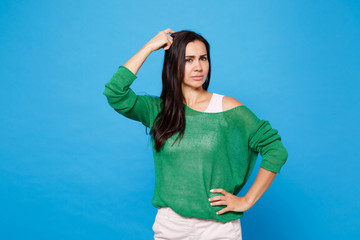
[(230, 102)]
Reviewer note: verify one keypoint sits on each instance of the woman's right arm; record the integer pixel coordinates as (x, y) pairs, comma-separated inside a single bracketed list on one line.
[(118, 92)]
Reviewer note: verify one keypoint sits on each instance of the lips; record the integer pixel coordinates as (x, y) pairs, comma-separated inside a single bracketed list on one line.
[(198, 77)]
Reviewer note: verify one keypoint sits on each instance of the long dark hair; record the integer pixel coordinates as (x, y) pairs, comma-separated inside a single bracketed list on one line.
[(171, 118)]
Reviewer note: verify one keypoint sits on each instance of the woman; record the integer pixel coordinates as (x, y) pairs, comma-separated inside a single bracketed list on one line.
[(204, 144)]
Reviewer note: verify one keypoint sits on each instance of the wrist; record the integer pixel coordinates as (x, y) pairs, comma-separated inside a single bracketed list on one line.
[(147, 48), (250, 200)]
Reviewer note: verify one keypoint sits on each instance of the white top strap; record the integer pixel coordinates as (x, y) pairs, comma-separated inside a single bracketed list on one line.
[(215, 104)]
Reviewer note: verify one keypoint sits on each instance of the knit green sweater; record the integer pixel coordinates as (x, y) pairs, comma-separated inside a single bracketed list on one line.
[(218, 150)]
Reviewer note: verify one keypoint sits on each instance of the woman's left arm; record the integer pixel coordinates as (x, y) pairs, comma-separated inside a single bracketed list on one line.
[(266, 141), (261, 184)]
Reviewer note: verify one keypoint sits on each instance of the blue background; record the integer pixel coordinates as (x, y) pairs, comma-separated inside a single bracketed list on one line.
[(72, 168)]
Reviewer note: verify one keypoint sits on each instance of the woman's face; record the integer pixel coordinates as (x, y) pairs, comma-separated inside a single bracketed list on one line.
[(196, 65)]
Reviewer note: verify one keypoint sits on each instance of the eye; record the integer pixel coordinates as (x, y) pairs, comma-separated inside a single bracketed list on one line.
[(187, 60), (204, 58)]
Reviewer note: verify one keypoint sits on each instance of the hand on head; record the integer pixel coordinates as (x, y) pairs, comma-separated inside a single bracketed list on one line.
[(161, 40)]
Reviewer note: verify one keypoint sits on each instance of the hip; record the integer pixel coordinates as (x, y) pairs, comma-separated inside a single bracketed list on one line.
[(170, 225)]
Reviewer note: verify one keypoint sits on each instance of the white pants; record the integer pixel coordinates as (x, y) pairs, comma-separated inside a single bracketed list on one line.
[(172, 226)]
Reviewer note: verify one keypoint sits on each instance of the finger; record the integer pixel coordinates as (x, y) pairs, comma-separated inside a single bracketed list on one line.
[(219, 203), (169, 38), (167, 46), (216, 198), (169, 31), (219, 190), (222, 211)]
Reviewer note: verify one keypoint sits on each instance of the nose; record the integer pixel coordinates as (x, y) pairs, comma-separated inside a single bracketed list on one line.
[(198, 66)]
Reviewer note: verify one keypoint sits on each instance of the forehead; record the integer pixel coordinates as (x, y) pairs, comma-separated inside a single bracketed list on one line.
[(195, 48)]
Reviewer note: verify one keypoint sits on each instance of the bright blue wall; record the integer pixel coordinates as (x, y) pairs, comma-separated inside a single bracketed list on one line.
[(72, 168)]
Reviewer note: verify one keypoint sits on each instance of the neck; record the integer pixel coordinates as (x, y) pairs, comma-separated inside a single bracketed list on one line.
[(194, 96)]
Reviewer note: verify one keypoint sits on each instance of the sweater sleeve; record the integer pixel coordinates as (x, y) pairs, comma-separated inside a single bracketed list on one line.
[(266, 141), (124, 100)]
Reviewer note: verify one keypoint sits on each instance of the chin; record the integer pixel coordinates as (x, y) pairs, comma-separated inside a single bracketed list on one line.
[(194, 84)]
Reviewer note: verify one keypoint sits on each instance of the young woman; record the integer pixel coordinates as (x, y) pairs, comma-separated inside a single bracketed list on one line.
[(204, 144)]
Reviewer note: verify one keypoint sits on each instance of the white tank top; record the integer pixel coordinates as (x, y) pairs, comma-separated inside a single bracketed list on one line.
[(215, 104)]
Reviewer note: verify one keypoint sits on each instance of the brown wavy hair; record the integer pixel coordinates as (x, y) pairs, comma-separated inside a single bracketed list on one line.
[(171, 118)]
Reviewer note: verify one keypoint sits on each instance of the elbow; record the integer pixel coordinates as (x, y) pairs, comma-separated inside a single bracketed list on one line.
[(282, 158), (283, 154), (275, 159)]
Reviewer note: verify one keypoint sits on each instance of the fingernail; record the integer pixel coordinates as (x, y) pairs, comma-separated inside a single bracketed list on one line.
[(209, 199), (211, 190)]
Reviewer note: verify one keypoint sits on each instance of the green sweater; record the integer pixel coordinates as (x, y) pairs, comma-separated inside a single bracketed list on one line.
[(218, 150)]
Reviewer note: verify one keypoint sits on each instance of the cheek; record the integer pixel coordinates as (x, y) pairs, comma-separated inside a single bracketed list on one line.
[(207, 68), (187, 70)]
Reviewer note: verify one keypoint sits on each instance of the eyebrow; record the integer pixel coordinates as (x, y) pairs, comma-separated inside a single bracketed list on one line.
[(194, 56)]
